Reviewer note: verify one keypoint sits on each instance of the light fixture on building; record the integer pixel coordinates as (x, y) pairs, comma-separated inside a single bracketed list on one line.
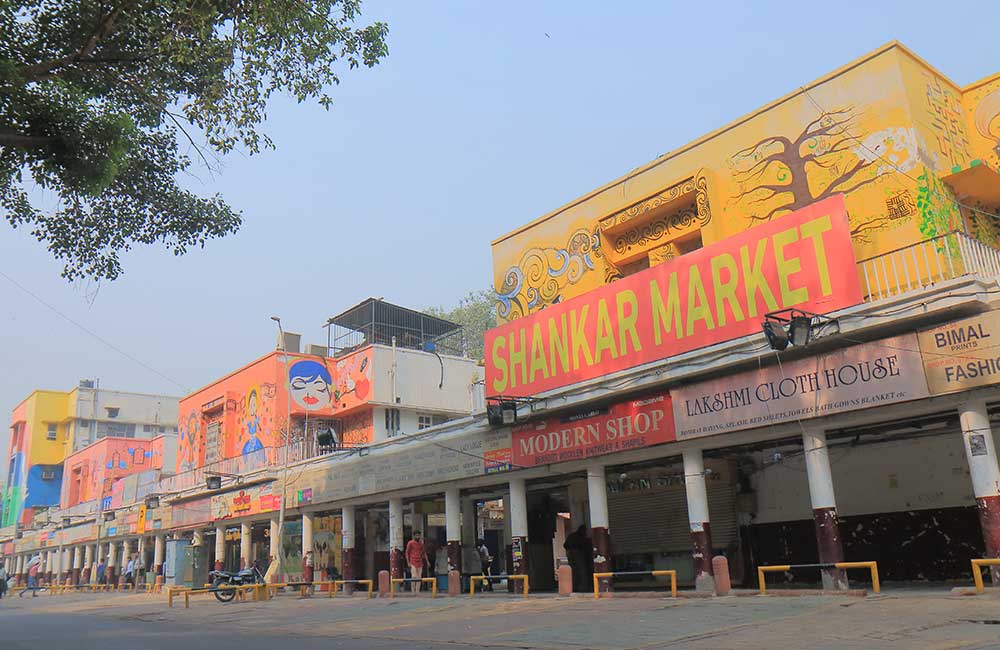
[(109, 515), (213, 482), (67, 522), (152, 502), (501, 412), (795, 327)]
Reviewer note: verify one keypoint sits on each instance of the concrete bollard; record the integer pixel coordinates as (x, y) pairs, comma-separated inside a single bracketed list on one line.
[(720, 571), (383, 584), (454, 583), (565, 575)]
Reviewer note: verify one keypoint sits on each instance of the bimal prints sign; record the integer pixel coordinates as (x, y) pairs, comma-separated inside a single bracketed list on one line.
[(627, 425), (714, 294), (963, 354), (859, 377)]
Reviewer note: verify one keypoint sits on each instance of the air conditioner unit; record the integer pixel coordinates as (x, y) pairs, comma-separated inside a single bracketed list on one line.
[(316, 350)]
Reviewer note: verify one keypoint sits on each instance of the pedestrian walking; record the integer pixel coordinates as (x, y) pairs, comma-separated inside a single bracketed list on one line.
[(129, 568), (416, 558), (486, 562), (33, 566), (3, 580), (102, 569), (579, 552)]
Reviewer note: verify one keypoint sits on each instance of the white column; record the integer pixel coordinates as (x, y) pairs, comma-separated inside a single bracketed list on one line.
[(694, 485), (347, 527), (198, 538), (77, 560), (272, 549), (220, 545), (452, 515), (307, 532), (979, 449), (818, 472), (158, 547), (597, 495), (125, 555), (112, 557), (518, 508), (824, 505), (245, 544), (140, 556), (469, 515), (88, 561), (396, 524), (20, 565)]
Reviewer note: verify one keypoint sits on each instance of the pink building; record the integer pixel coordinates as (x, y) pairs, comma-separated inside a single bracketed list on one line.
[(90, 472)]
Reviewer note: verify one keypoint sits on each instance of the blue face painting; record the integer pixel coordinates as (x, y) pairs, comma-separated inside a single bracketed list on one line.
[(309, 383)]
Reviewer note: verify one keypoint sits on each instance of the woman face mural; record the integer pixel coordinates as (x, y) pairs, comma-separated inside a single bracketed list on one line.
[(309, 383)]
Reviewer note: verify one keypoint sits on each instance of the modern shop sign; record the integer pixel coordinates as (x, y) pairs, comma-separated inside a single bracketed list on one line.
[(714, 294), (248, 501), (963, 354), (862, 376), (620, 427)]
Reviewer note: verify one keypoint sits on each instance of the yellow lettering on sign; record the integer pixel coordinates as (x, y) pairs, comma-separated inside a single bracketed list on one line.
[(754, 280), (605, 333), (518, 357), (500, 363), (666, 317), (725, 291), (788, 267), (538, 363), (814, 230), (579, 338), (698, 308), (558, 345), (626, 322)]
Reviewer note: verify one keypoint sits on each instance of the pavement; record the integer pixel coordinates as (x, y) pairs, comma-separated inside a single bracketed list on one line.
[(905, 619)]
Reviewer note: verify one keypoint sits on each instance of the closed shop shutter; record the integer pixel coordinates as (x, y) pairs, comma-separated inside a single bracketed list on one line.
[(648, 512), (213, 438)]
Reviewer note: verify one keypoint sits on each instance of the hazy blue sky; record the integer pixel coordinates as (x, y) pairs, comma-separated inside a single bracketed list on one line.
[(484, 116)]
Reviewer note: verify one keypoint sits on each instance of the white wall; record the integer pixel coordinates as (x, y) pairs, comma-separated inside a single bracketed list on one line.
[(133, 408), (409, 421), (917, 474), (418, 378)]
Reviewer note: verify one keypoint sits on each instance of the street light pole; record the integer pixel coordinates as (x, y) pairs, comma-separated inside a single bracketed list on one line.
[(288, 438)]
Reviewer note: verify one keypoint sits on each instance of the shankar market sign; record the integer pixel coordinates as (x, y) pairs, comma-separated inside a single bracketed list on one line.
[(859, 377), (714, 294), (620, 427), (962, 355)]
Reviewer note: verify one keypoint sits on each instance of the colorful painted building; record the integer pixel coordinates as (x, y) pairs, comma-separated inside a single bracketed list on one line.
[(90, 473), (50, 425)]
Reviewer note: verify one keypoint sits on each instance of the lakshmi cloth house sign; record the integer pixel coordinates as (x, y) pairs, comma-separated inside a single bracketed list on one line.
[(862, 376)]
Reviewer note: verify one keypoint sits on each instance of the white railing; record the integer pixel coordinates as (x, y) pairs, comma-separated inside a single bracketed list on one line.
[(926, 263)]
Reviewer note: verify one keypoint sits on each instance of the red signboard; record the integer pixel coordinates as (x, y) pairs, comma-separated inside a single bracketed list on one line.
[(713, 294), (628, 425)]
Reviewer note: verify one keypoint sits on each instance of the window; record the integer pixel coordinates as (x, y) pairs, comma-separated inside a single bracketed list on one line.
[(53, 432), (112, 411), (163, 429), (48, 474), (424, 421), (84, 424), (391, 423)]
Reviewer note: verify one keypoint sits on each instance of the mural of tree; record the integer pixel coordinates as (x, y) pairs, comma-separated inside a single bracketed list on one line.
[(786, 174)]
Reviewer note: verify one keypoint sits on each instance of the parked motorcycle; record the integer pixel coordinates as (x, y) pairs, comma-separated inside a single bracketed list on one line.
[(222, 579)]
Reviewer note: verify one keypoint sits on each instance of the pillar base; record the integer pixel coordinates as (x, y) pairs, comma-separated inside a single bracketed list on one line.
[(989, 521), (76, 576), (831, 548), (396, 566), (518, 563), (383, 583), (454, 583), (701, 553), (454, 556)]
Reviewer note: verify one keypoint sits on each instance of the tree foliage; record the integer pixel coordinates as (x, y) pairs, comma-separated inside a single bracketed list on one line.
[(476, 313), (103, 103)]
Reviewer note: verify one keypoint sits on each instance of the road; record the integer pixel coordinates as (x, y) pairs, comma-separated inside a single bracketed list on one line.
[(906, 620)]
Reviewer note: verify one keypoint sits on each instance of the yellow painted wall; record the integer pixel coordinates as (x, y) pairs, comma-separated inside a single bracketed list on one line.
[(45, 407), (883, 130)]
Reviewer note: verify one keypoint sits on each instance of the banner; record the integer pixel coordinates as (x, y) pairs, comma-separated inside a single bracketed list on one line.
[(140, 523), (713, 294), (859, 377), (963, 354), (627, 425), (248, 501)]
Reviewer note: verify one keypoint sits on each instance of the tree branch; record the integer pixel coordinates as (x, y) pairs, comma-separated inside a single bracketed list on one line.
[(10, 138), (104, 28), (774, 139)]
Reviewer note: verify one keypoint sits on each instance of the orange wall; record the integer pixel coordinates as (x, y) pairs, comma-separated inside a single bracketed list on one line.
[(250, 405), (89, 473)]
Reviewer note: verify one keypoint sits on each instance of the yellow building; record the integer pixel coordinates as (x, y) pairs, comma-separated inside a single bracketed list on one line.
[(915, 155)]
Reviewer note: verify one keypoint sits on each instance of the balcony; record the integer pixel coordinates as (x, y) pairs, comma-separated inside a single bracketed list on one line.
[(920, 265)]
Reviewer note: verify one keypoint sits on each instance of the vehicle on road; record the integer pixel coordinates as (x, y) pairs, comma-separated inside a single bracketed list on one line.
[(223, 579)]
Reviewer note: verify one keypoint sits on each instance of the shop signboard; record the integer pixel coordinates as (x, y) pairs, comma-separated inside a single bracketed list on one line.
[(247, 501), (963, 354), (190, 513), (717, 293), (140, 522), (862, 376), (620, 427)]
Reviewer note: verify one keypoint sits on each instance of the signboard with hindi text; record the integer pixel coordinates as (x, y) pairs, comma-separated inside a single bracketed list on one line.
[(963, 354), (862, 376), (717, 293)]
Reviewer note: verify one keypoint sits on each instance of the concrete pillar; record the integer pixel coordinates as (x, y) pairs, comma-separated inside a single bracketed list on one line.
[(824, 507), (88, 563), (597, 497), (20, 569), (470, 531), (198, 538), (307, 547), (77, 562), (220, 547), (126, 553), (518, 511), (159, 544), (244, 545), (698, 520), (396, 538), (347, 542), (140, 559), (981, 453), (273, 550), (453, 527), (112, 563)]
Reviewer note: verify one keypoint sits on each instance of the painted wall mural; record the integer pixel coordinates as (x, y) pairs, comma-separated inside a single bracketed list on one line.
[(885, 131)]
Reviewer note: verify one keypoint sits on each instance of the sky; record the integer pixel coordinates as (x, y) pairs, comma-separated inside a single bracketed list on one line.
[(484, 116)]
